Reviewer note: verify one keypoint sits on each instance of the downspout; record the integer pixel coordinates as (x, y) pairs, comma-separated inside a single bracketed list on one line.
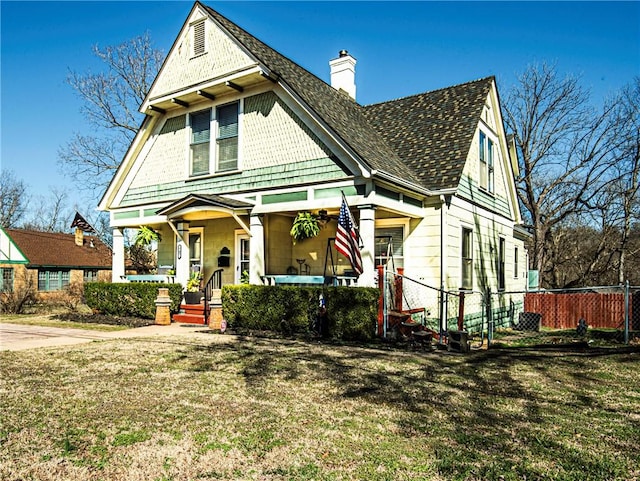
[(443, 260)]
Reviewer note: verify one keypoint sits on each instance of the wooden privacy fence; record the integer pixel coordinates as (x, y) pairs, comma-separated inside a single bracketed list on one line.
[(564, 310)]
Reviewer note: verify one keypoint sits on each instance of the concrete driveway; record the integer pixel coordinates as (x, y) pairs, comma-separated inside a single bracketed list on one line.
[(15, 337)]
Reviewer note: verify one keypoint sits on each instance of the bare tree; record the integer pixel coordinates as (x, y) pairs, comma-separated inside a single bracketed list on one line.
[(564, 154), (13, 199), (619, 201), (50, 213), (111, 100)]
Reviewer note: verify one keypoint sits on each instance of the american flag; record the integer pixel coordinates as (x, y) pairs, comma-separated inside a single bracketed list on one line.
[(82, 224), (347, 238)]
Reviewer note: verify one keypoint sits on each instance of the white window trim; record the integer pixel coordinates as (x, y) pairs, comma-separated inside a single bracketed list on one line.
[(213, 146), (198, 231), (464, 228), (190, 135), (489, 136), (397, 222)]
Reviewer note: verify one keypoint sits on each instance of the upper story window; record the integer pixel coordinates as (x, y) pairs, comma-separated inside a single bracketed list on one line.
[(198, 38), (227, 138), (200, 136), (486, 154)]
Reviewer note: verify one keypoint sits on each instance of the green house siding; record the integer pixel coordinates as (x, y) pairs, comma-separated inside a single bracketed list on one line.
[(470, 190), (316, 170)]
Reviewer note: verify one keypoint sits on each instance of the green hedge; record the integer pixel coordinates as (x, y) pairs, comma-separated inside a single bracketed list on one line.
[(351, 311), (129, 299)]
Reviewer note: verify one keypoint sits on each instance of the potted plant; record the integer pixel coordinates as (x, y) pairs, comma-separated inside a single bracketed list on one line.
[(193, 294), (305, 226)]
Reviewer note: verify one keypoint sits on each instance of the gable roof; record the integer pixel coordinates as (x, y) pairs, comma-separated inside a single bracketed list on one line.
[(341, 113), (51, 249), (432, 132)]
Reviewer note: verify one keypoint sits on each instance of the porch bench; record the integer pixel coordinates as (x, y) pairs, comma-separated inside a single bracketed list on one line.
[(154, 278)]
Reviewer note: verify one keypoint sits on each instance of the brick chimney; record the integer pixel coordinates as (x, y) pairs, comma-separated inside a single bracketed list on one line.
[(343, 73), (79, 237)]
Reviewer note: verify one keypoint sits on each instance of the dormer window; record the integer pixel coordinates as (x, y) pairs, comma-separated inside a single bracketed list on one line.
[(486, 163), (198, 39)]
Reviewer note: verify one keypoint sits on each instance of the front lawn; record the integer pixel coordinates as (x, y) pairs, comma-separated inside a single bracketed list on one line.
[(234, 408)]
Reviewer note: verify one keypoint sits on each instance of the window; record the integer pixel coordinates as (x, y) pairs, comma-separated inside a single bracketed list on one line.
[(6, 279), (227, 139), (486, 155), (467, 259), (389, 243), (515, 263), (501, 264), (90, 275), (195, 250), (198, 38), (49, 280), (200, 135)]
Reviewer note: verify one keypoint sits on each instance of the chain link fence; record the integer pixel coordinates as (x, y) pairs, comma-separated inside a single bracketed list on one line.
[(590, 316), (587, 316)]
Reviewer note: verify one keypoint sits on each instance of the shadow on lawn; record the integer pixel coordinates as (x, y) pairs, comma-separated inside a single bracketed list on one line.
[(504, 403)]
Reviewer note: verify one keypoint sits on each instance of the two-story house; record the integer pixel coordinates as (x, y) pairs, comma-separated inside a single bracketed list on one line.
[(238, 139)]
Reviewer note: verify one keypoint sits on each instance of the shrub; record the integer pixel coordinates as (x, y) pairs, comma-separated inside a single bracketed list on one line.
[(129, 299), (17, 300), (351, 311)]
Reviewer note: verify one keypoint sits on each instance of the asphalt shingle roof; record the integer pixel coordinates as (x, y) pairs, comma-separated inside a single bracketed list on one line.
[(60, 250), (432, 131)]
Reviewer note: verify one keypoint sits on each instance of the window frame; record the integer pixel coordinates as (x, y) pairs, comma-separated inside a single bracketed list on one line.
[(222, 138), (486, 160), (466, 259), (62, 279), (89, 275), (193, 142), (515, 262), (4, 279)]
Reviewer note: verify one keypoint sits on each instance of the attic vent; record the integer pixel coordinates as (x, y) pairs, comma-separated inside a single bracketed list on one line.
[(198, 38)]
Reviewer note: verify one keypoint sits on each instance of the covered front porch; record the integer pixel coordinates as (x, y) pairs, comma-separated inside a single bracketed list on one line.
[(232, 241)]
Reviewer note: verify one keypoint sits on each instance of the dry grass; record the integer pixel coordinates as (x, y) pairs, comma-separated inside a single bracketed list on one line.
[(232, 408)]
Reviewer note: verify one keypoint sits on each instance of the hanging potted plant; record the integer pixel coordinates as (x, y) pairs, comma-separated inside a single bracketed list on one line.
[(193, 294), (305, 226)]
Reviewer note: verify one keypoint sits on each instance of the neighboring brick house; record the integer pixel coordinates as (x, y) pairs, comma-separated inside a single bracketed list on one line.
[(51, 261)]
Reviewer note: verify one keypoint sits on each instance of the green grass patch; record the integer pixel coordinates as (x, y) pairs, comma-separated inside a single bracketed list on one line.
[(239, 408)]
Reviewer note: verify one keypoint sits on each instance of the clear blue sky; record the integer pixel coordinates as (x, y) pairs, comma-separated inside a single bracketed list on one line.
[(402, 48)]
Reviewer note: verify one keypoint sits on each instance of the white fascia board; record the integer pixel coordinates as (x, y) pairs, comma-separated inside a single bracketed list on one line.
[(116, 184)]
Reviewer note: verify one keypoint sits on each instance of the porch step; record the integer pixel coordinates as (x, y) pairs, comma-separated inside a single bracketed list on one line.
[(190, 314), (189, 318)]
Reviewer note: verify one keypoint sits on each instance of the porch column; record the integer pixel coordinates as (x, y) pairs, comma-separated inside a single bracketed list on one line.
[(256, 249), (117, 263), (182, 253), (368, 235)]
